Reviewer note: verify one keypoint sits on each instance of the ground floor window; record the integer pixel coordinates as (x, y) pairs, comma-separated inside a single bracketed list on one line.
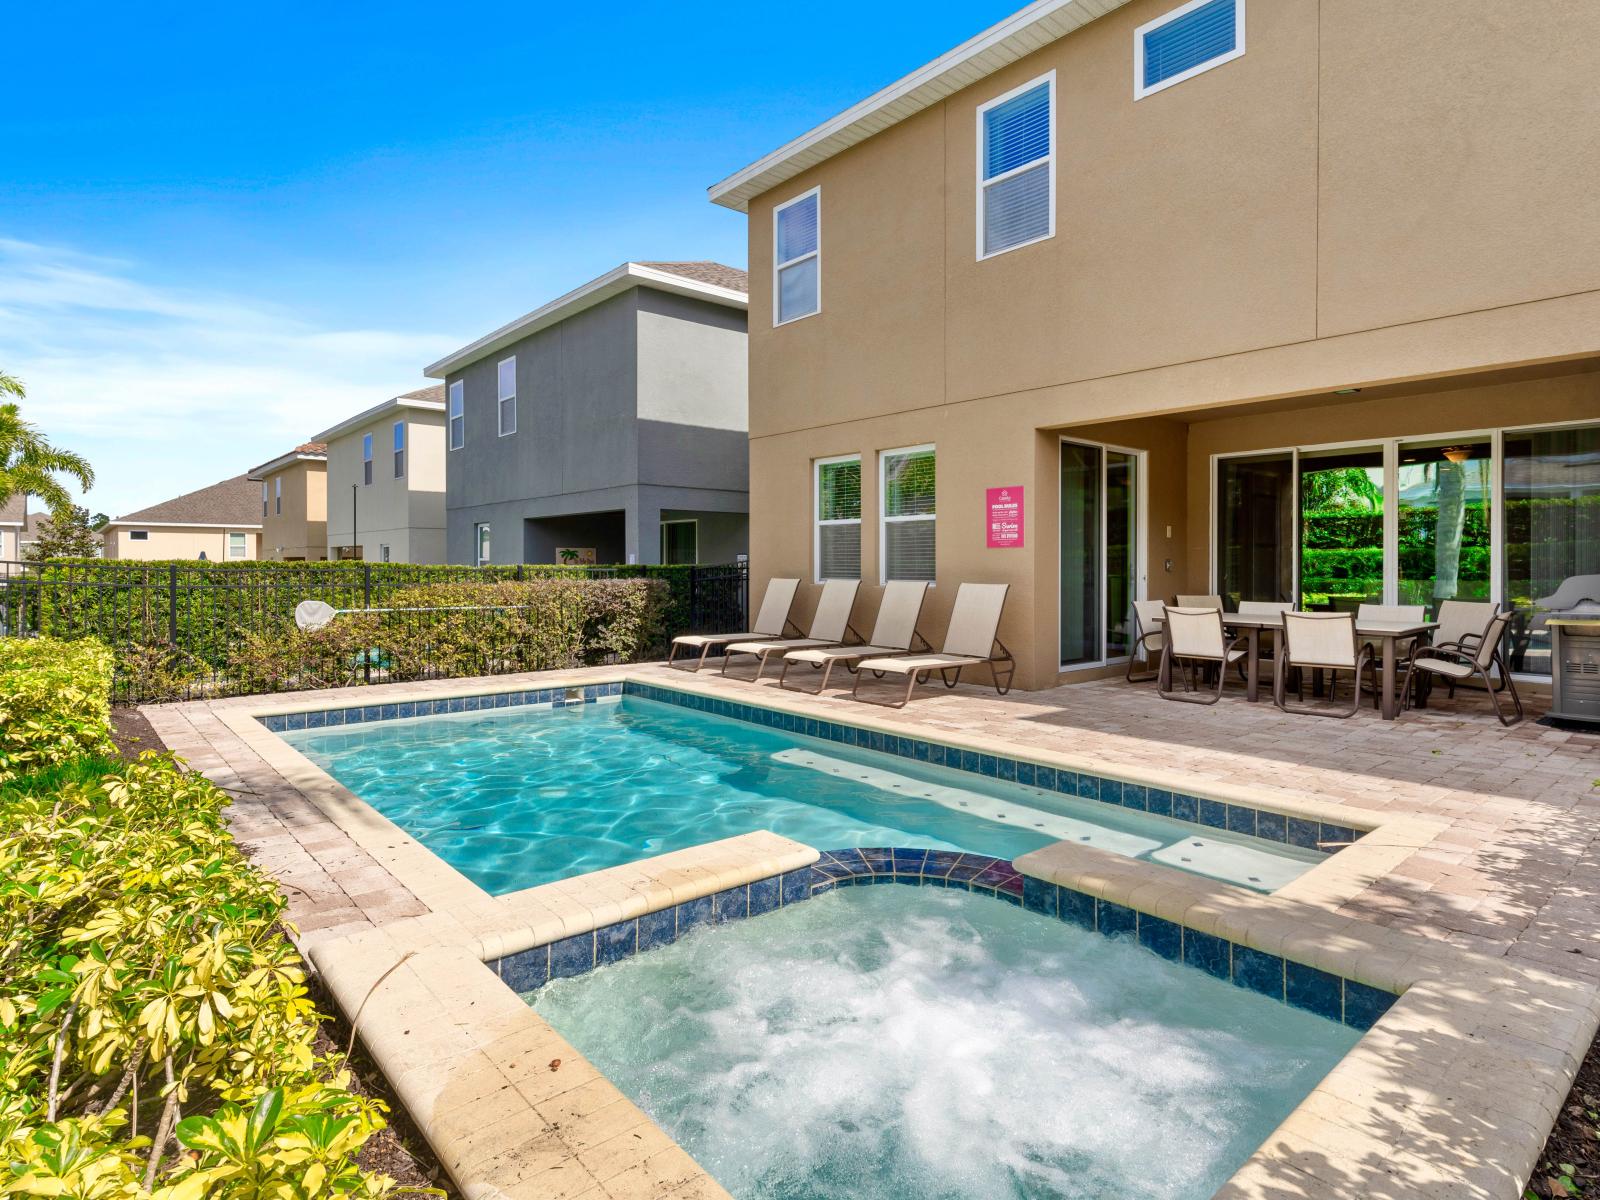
[(480, 539), (837, 549), (383, 552), (907, 487), (680, 542), (1507, 516), (1101, 575), (236, 545)]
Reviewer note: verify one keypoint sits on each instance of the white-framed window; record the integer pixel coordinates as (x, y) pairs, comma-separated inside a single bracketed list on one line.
[(1017, 167), (399, 449), (680, 542), (138, 535), (480, 541), (508, 395), (456, 415), (236, 545), (1186, 42), (906, 490), (263, 499), (366, 458), (797, 257), (836, 551), (383, 551), (277, 495)]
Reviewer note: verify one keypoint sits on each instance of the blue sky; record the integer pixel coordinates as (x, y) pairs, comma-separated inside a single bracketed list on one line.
[(222, 228)]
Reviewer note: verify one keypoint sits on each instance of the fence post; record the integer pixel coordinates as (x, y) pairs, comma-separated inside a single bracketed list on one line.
[(172, 604), (366, 585)]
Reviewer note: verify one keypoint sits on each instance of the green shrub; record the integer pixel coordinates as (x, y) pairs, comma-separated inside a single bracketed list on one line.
[(155, 1033), (55, 702)]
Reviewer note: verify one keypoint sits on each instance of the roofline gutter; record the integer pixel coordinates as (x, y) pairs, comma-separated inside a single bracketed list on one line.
[(134, 523), (372, 414), (283, 460), (613, 283)]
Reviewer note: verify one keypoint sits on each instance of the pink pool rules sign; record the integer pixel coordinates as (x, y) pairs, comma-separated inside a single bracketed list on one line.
[(1005, 518)]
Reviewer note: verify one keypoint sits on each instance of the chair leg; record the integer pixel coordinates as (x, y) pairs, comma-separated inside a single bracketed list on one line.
[(1494, 697)]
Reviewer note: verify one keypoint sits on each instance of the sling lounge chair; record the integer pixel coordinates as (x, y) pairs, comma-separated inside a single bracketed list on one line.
[(971, 641), (830, 625), (770, 622), (893, 633)]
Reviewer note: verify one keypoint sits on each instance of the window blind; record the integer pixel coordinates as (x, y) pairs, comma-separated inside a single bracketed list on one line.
[(457, 419), (1186, 42), (909, 490), (839, 520), (1016, 170), (797, 258)]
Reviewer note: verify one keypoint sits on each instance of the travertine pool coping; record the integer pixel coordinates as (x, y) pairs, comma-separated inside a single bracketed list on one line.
[(1451, 1094)]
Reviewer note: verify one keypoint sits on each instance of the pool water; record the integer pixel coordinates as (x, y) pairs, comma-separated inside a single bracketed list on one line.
[(517, 797), (892, 1043)]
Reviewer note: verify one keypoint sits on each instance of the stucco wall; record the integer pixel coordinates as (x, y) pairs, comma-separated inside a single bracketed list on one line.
[(178, 543), (406, 514), (301, 529)]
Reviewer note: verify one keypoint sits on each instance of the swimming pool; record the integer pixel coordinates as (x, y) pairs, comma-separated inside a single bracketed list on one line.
[(886, 1043), (515, 797)]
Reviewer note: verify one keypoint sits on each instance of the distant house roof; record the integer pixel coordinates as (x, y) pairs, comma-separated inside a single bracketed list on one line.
[(234, 503), (305, 452), (14, 510), (430, 398), (703, 280), (1019, 35)]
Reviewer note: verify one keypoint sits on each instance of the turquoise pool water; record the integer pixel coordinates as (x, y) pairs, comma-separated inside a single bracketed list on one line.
[(898, 1043), (517, 797)]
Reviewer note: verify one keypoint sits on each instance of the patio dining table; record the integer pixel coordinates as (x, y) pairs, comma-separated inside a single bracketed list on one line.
[(1386, 635)]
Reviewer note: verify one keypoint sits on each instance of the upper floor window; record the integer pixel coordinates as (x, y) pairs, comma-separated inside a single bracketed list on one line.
[(399, 449), (797, 258), (457, 419), (1188, 40), (277, 495), (907, 486), (838, 543), (1016, 168), (508, 396), (236, 545), (263, 499), (366, 458)]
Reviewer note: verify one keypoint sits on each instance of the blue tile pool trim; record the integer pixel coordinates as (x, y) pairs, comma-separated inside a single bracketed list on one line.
[(1237, 818), (1332, 996), (333, 718)]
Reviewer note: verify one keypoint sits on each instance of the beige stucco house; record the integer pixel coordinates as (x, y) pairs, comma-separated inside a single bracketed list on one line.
[(220, 523), (1277, 300), (294, 504), (385, 481), (13, 524)]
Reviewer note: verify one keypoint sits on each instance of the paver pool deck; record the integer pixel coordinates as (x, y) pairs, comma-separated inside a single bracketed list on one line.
[(1497, 870)]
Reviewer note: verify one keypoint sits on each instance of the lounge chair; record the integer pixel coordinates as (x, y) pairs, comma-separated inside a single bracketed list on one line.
[(1320, 642), (830, 625), (894, 632), (1466, 660), (1195, 636), (1147, 639), (971, 641), (771, 622)]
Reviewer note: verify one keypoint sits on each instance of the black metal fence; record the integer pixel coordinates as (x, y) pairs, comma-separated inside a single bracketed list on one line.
[(184, 630)]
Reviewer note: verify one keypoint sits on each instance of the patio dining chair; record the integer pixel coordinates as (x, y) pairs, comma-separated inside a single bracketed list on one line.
[(771, 622), (830, 625), (972, 640), (1195, 638), (894, 632), (1264, 608), (1464, 661), (1320, 642), (1147, 639), (1200, 602), (1404, 613)]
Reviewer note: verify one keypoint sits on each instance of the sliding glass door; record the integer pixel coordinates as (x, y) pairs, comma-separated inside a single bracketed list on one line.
[(1100, 563), (1341, 528), (1255, 528), (1445, 494)]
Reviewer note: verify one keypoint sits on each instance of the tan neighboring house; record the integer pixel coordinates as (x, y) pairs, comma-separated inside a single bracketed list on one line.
[(385, 481), (220, 523), (294, 504), (1113, 300), (13, 527)]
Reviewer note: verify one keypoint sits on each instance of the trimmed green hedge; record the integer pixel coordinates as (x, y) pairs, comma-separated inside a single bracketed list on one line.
[(155, 1033), (55, 702)]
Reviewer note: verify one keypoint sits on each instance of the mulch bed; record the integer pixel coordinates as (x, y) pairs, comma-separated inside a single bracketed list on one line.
[(132, 733), (1570, 1164)]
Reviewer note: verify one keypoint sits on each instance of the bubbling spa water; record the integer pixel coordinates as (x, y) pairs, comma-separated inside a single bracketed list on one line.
[(898, 1042)]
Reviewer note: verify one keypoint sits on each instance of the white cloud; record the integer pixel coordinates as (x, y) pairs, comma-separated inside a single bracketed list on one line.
[(167, 389)]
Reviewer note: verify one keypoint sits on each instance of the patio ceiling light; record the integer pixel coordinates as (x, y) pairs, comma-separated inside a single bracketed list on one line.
[(1458, 454)]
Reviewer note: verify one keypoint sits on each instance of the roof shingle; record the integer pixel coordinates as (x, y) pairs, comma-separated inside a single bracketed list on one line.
[(704, 271), (234, 501)]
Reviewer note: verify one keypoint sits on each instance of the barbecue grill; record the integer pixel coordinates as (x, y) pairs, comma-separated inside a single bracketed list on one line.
[(1575, 665)]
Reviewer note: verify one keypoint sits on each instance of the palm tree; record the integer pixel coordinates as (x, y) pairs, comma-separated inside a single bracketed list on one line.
[(29, 465)]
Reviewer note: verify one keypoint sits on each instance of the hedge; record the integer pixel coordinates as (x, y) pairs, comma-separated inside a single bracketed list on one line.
[(55, 702)]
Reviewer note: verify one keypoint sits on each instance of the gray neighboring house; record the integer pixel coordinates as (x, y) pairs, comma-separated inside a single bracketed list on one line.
[(609, 426)]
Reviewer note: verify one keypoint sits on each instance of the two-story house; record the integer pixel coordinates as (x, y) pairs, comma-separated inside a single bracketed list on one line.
[(385, 481), (607, 426), (220, 523), (1277, 300), (294, 504)]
